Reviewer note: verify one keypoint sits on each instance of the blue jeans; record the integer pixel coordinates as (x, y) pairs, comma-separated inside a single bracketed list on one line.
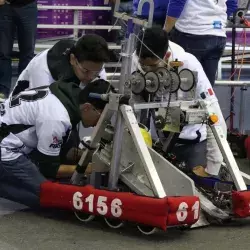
[(20, 181), (207, 49), (193, 155), (24, 21)]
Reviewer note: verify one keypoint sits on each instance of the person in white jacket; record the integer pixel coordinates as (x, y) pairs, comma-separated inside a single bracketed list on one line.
[(79, 61), (198, 142)]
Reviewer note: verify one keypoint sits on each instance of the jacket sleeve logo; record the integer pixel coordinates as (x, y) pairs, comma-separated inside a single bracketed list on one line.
[(56, 143)]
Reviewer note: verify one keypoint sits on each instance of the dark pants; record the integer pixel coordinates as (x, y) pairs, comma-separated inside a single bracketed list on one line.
[(20, 181), (24, 21), (193, 155), (207, 49)]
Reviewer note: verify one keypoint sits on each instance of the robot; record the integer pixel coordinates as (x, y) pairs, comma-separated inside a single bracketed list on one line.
[(118, 175), (123, 177)]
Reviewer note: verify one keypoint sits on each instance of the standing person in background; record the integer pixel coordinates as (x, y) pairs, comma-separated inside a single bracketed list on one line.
[(20, 16), (200, 28)]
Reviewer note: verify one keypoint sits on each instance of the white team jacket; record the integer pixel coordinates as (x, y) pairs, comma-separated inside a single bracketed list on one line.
[(46, 126), (38, 74), (203, 17)]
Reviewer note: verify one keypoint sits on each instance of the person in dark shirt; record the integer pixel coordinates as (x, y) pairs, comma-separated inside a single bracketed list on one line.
[(20, 16)]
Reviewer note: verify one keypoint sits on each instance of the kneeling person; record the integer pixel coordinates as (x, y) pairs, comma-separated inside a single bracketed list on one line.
[(34, 124), (80, 62)]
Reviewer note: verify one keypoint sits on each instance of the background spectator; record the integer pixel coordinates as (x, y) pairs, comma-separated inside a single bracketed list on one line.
[(16, 17), (200, 28)]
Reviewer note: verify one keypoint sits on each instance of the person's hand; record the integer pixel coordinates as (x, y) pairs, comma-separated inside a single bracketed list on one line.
[(2, 2)]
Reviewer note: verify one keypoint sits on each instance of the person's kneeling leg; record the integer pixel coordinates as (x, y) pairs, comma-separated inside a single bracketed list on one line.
[(20, 181), (193, 155)]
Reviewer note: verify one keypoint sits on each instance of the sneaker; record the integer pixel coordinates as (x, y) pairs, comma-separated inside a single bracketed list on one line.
[(200, 172)]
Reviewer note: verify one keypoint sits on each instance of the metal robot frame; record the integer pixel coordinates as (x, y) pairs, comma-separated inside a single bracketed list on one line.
[(125, 116)]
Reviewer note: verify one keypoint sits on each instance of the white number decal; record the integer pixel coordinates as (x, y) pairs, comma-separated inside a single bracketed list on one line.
[(196, 209), (116, 210), (77, 201), (182, 213), (90, 200), (101, 206)]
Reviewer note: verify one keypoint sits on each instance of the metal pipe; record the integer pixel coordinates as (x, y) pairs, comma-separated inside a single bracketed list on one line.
[(136, 20), (242, 110), (156, 105), (76, 22), (50, 7), (117, 5), (125, 74), (83, 27), (232, 74), (48, 46), (117, 146), (232, 83), (243, 85), (151, 10)]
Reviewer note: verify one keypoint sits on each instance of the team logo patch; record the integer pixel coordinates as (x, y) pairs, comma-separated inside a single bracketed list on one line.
[(56, 143), (210, 91)]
